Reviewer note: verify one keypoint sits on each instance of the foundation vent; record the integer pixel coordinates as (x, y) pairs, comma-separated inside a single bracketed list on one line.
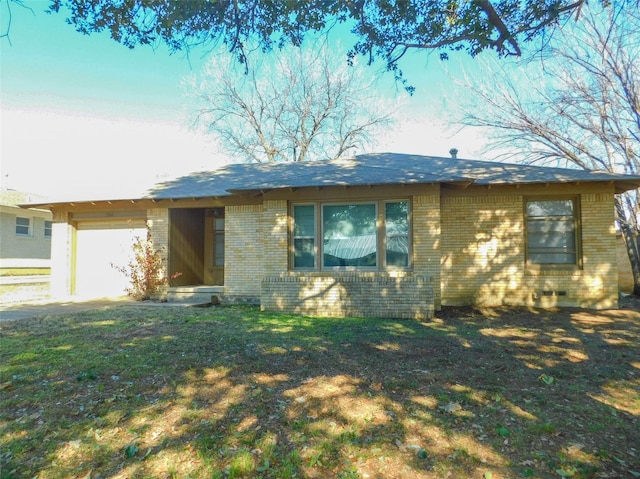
[(548, 293)]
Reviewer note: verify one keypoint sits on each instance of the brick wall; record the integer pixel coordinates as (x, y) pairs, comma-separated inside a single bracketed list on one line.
[(482, 249), (244, 251), (358, 294), (257, 257), (276, 236), (366, 294), (483, 256), (625, 273), (599, 279), (426, 241)]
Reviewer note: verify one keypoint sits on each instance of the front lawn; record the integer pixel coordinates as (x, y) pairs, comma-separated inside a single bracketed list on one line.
[(156, 392)]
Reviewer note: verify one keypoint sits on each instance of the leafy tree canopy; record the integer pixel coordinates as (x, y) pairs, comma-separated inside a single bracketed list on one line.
[(382, 28)]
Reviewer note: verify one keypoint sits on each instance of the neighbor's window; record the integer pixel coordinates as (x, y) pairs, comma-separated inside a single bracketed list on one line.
[(23, 226), (48, 227), (351, 235), (552, 233)]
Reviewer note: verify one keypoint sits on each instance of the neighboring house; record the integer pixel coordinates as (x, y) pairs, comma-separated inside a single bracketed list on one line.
[(25, 248), (386, 234), (25, 235)]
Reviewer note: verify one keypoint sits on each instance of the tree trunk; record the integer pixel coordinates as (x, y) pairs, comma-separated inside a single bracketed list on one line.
[(632, 242)]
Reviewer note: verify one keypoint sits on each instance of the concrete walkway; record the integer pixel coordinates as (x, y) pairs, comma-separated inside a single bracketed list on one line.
[(32, 309), (36, 278), (24, 310)]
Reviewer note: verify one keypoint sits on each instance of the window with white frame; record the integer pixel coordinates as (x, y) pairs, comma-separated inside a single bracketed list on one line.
[(23, 226), (367, 235), (552, 231), (48, 228)]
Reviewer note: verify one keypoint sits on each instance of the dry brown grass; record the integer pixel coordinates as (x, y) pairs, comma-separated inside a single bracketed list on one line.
[(148, 392)]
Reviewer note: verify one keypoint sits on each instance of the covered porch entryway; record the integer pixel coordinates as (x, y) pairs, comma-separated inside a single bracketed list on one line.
[(196, 251)]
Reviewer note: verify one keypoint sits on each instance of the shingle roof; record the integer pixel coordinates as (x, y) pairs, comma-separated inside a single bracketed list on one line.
[(15, 198), (361, 170), (373, 169), (365, 170)]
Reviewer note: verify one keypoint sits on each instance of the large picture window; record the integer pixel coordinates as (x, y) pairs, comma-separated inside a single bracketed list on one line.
[(349, 236), (371, 235), (552, 231)]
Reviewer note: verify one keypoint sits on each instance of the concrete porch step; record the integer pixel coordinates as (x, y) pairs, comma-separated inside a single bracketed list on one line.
[(193, 294)]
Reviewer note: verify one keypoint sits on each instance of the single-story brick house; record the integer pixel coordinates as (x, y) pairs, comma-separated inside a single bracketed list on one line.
[(384, 234)]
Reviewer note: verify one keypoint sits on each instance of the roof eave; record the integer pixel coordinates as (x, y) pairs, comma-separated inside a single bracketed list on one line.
[(624, 186), (29, 206), (57, 204), (461, 183)]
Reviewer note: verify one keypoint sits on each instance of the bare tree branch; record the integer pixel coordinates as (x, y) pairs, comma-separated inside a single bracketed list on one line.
[(583, 111), (9, 16), (301, 107)]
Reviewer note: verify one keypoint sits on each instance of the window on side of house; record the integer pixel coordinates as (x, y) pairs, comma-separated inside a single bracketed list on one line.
[(304, 236), (218, 242), (23, 226), (368, 235), (552, 231), (48, 228)]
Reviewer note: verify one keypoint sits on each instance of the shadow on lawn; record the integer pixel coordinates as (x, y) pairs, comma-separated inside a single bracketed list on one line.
[(237, 393)]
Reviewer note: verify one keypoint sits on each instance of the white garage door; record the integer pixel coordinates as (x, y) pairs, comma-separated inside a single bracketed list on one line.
[(99, 246)]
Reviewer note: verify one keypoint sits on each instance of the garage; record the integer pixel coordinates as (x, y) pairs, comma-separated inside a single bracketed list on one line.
[(99, 246)]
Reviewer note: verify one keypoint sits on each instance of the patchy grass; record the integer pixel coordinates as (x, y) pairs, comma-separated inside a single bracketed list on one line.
[(155, 392)]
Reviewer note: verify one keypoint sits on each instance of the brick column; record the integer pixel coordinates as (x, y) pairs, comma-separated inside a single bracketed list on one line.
[(243, 259), (600, 262), (276, 237), (426, 241)]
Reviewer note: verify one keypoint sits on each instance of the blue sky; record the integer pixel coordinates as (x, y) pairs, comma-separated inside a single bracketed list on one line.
[(80, 112), (50, 65)]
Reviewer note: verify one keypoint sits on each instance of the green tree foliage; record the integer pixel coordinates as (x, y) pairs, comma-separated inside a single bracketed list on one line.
[(381, 28)]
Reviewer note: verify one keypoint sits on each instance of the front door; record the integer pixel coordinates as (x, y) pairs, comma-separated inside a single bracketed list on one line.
[(214, 247)]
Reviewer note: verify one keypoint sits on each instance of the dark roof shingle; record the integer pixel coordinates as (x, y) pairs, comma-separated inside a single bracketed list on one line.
[(364, 170), (373, 169)]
